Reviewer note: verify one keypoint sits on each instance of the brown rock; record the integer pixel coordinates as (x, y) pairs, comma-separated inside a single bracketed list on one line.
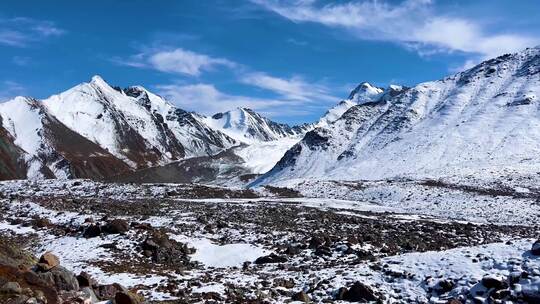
[(126, 298), (301, 296), (117, 226), (48, 261)]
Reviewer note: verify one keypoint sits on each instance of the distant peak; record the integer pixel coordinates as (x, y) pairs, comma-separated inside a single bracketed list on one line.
[(100, 82), (97, 79), (365, 91)]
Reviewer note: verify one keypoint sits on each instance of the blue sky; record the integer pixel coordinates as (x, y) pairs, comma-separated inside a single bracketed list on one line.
[(290, 60)]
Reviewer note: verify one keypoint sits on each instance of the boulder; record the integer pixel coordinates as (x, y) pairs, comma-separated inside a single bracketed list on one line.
[(92, 231), (126, 298), (535, 249), (163, 250), (272, 258), (359, 293), (495, 282), (88, 293), (117, 226), (48, 261), (85, 280), (109, 291), (61, 278), (444, 286), (301, 296), (11, 288)]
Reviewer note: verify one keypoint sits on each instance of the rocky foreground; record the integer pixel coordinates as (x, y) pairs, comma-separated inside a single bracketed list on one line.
[(196, 244)]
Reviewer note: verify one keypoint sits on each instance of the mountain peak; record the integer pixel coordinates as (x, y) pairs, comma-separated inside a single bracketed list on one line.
[(96, 79), (365, 92)]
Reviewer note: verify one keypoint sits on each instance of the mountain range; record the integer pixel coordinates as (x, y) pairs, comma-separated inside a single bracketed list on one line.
[(484, 119), (98, 131)]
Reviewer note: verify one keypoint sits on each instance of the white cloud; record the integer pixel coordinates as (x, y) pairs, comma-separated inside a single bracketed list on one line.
[(294, 88), (207, 99), (412, 23), (20, 31), (176, 61)]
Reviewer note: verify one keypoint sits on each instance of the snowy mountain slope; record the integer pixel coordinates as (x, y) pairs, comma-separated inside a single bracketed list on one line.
[(486, 117), (48, 149), (248, 126), (187, 129), (135, 125)]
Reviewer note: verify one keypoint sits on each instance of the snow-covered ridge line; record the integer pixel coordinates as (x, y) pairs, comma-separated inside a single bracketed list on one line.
[(480, 119)]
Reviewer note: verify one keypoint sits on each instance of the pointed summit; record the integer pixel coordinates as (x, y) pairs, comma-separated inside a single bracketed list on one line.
[(365, 92)]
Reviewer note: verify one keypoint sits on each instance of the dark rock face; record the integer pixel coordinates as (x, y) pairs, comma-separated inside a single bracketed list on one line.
[(313, 140), (12, 164)]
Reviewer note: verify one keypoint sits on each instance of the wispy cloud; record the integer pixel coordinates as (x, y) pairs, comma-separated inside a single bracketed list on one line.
[(10, 89), (295, 88), (21, 31), (412, 23), (207, 99), (295, 93), (176, 61)]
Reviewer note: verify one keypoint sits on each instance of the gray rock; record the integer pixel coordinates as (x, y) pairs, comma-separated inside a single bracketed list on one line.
[(89, 294), (11, 288), (61, 278)]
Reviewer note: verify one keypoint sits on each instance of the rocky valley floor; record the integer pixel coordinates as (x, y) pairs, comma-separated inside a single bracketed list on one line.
[(388, 242)]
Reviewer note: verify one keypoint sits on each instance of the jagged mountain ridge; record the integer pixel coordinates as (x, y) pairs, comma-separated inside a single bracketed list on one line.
[(135, 125), (131, 127), (481, 119), (248, 126)]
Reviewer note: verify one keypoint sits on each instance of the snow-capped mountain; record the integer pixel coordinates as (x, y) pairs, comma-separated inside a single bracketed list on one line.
[(40, 146), (248, 126), (135, 125), (483, 119)]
